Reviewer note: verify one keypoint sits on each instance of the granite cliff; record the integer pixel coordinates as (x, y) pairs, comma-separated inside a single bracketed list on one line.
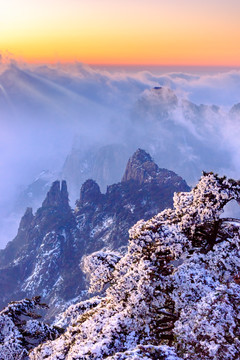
[(44, 258)]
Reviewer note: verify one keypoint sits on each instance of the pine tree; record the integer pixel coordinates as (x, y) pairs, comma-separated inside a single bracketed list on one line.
[(21, 330), (173, 295)]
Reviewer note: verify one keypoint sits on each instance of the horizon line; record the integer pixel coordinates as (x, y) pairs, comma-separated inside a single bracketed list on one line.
[(4, 60), (156, 65), (20, 61)]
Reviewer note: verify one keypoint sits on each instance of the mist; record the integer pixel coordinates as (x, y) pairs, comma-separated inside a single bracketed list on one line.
[(49, 112)]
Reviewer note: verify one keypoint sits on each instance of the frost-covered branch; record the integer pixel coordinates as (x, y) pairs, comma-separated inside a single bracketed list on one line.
[(20, 331), (173, 295)]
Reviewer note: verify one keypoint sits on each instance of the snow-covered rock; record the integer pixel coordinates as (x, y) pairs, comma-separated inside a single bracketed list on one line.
[(44, 258), (173, 295), (20, 330)]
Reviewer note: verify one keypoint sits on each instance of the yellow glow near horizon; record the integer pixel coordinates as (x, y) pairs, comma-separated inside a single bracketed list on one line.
[(122, 32)]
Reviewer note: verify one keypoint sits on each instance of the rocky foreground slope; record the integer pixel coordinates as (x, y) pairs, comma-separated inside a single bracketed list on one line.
[(175, 294), (44, 258)]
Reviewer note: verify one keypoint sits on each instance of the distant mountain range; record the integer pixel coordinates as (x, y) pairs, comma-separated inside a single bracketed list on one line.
[(162, 259), (181, 135), (43, 104), (44, 258)]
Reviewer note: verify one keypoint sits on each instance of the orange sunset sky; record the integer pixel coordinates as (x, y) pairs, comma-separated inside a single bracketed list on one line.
[(154, 32)]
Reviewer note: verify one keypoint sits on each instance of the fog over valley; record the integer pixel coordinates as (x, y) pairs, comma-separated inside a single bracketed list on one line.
[(76, 122)]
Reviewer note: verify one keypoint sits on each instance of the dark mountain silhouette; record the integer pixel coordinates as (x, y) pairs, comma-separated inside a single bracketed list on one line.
[(44, 258)]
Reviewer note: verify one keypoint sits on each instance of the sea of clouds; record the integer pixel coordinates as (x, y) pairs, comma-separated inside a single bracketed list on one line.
[(46, 109)]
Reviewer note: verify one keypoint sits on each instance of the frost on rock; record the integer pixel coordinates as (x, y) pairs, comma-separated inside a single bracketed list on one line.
[(173, 295), (20, 330)]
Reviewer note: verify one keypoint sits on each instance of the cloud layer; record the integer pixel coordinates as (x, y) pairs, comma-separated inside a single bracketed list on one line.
[(43, 109)]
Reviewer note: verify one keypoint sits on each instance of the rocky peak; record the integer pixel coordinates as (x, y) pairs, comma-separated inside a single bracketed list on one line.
[(44, 257), (57, 195), (140, 167), (64, 193), (90, 192), (26, 220)]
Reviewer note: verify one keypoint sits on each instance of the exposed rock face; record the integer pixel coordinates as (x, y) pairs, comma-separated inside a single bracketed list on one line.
[(139, 167), (90, 192), (104, 219), (142, 169), (57, 196), (39, 258), (14, 246), (44, 258)]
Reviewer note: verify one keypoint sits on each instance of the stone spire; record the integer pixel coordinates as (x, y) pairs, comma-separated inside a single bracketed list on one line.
[(57, 195), (140, 167)]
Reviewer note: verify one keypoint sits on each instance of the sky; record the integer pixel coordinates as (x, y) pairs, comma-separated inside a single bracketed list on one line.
[(154, 32)]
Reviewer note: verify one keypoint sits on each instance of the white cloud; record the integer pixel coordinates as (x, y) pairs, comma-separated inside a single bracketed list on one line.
[(43, 108)]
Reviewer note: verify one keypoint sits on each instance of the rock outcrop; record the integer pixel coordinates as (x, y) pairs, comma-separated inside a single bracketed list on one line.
[(57, 196), (44, 258), (104, 219), (174, 295)]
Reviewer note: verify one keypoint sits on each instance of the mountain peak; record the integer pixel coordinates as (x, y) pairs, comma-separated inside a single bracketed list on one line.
[(141, 156), (140, 167), (44, 257), (90, 192), (57, 195)]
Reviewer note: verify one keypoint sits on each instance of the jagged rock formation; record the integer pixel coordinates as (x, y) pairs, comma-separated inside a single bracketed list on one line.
[(142, 169), (44, 258), (104, 219), (39, 258), (181, 135), (57, 197), (173, 296), (104, 164), (33, 194)]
